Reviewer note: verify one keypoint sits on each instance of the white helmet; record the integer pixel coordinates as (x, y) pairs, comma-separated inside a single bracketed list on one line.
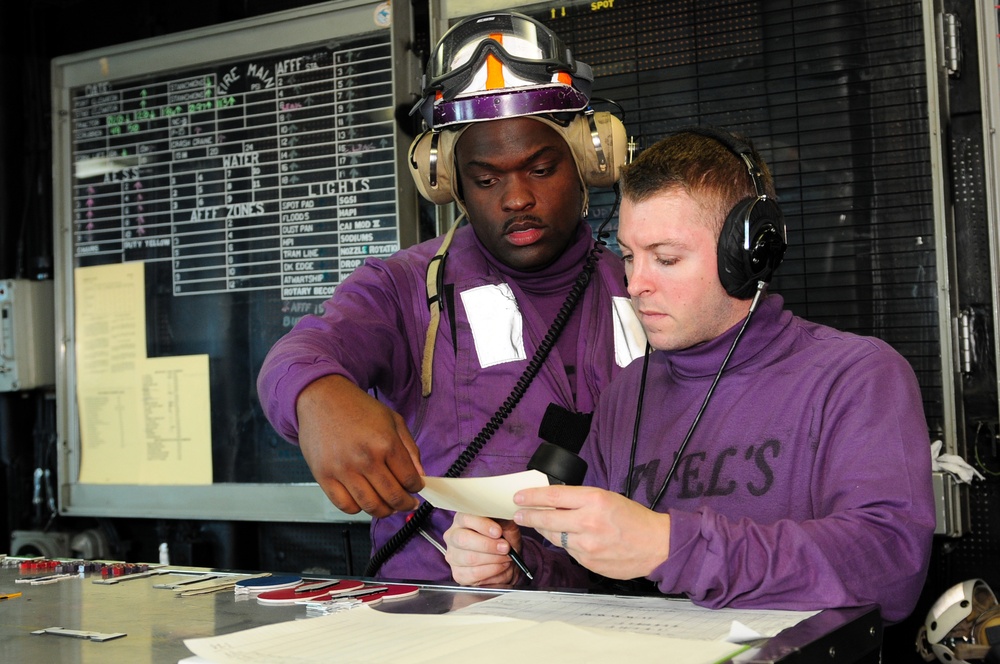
[(961, 625), (501, 65)]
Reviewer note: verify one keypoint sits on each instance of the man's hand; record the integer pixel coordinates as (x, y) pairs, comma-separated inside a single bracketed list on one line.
[(359, 451), (604, 531), (478, 550)]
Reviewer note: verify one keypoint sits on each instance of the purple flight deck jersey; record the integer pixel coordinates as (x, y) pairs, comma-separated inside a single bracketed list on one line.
[(372, 331), (807, 483)]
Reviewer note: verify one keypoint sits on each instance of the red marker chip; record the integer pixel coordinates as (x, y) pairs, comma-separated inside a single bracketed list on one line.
[(320, 593)]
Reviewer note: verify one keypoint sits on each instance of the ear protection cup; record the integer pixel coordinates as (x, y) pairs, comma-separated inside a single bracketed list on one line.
[(432, 160), (597, 140), (600, 146), (752, 241), (751, 246)]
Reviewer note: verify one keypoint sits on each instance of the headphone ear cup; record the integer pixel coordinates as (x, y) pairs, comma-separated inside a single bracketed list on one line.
[(599, 145), (598, 142), (431, 160), (743, 263), (600, 165)]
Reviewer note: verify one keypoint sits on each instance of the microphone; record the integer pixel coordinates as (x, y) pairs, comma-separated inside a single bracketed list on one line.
[(564, 427), (561, 465), (563, 433)]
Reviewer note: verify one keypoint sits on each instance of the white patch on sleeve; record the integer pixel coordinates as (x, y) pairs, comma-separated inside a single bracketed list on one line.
[(497, 326), (630, 338)]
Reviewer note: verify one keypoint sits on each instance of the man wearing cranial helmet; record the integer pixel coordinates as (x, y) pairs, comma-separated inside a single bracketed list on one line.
[(444, 358)]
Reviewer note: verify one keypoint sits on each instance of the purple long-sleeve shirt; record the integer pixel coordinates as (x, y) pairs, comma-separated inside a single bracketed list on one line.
[(372, 331), (806, 484)]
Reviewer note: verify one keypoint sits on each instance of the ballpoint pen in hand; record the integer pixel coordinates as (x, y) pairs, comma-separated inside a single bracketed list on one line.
[(520, 563)]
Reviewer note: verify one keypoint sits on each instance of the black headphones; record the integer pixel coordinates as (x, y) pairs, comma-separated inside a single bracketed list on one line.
[(752, 242)]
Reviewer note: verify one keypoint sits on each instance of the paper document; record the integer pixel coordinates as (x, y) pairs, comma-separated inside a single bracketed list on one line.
[(483, 496), (143, 420), (662, 616), (367, 635)]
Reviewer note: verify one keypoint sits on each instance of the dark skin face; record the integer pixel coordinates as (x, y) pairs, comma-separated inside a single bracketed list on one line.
[(521, 189)]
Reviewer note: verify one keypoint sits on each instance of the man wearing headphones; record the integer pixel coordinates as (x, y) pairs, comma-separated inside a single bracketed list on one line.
[(774, 463), (443, 358)]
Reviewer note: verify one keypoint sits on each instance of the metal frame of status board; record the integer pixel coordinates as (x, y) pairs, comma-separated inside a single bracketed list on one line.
[(988, 38), (93, 75)]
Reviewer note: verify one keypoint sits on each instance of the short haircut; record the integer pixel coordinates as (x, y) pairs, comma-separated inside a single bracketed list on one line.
[(702, 166)]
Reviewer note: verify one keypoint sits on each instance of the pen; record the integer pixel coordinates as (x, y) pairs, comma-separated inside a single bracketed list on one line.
[(520, 564), (10, 595), (512, 553)]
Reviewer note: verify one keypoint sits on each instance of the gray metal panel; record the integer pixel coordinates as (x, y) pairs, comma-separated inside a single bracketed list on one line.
[(938, 114), (223, 502)]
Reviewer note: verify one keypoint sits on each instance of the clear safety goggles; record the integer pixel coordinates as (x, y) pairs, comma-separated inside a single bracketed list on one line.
[(463, 49)]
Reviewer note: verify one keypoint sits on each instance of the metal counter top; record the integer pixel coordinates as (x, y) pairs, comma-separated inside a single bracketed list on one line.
[(157, 621)]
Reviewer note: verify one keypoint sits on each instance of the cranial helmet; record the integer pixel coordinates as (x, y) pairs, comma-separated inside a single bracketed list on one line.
[(961, 625), (505, 65)]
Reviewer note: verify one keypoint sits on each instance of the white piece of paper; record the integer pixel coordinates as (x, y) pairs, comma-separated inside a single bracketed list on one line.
[(365, 635), (482, 496), (660, 616)]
